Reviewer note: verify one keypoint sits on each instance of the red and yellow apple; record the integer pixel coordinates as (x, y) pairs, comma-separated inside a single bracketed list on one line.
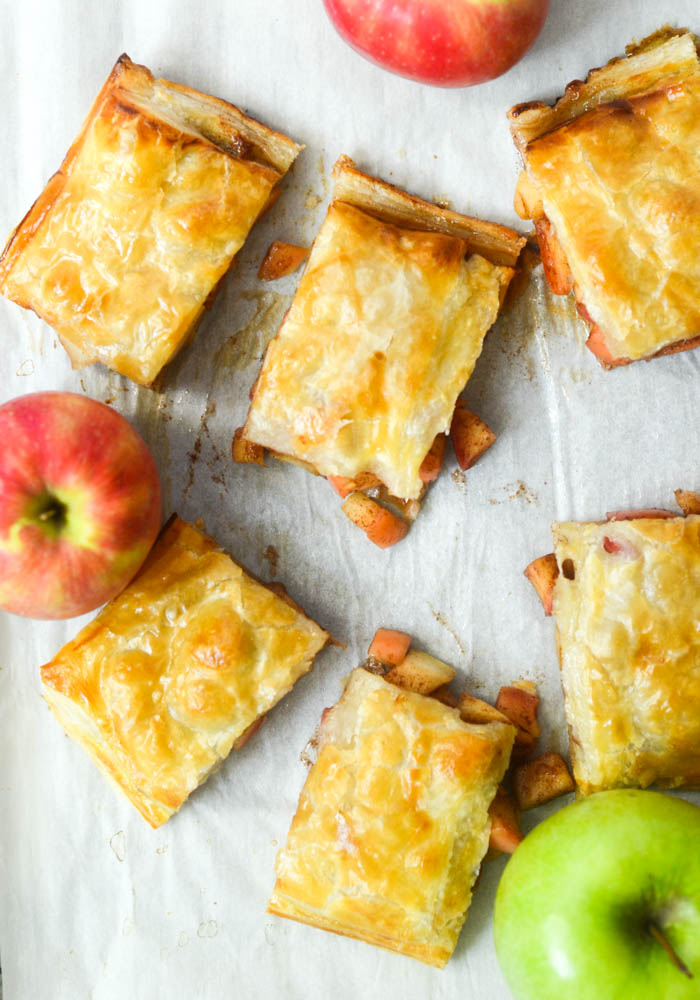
[(455, 44), (80, 504)]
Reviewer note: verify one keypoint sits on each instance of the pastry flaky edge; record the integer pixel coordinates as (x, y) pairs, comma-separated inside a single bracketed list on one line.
[(496, 243), (434, 952), (77, 719), (665, 55), (210, 118)]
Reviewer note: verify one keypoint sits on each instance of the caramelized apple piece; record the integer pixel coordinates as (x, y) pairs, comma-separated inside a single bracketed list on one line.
[(280, 260), (432, 463), (246, 451), (470, 436), (477, 711), (389, 646), (420, 672), (344, 486), (445, 695), (380, 525), (621, 547), (518, 702), (556, 266), (596, 344), (505, 823), (527, 200), (688, 501), (542, 574), (634, 515), (541, 779), (248, 733)]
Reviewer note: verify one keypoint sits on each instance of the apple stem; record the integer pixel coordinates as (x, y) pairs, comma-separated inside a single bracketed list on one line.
[(659, 936)]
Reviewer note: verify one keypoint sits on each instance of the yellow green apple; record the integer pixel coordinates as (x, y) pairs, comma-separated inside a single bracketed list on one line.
[(601, 901)]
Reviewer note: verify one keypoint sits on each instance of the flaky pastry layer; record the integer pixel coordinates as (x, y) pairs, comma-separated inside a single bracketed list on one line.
[(152, 202), (392, 823), (174, 670), (614, 167), (384, 330), (628, 634)]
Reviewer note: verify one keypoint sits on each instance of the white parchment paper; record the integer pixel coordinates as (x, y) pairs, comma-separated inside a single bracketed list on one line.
[(93, 903)]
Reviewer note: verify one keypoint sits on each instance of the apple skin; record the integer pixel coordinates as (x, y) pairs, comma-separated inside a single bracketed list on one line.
[(447, 44), (80, 504), (575, 899)]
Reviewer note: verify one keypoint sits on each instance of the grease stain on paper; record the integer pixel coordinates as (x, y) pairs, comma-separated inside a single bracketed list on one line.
[(208, 929), (247, 345), (118, 844)]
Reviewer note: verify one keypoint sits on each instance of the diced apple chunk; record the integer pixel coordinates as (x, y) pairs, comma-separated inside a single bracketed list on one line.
[(478, 712), (249, 733), (246, 451), (554, 260), (380, 525), (519, 705), (389, 646), (344, 486), (519, 702), (445, 695), (541, 779), (420, 672), (280, 260), (638, 515), (432, 463), (542, 574), (688, 501), (470, 436), (505, 823)]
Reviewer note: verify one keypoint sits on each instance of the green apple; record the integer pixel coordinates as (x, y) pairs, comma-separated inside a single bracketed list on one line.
[(602, 902)]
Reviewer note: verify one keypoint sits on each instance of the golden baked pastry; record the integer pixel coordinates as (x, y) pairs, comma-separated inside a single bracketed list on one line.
[(392, 823), (611, 180), (627, 611), (154, 199), (175, 670), (383, 332)]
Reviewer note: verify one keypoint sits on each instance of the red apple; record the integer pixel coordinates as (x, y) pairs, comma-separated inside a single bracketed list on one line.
[(449, 44), (80, 504)]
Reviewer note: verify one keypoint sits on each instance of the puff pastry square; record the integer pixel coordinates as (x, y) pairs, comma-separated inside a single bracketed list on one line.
[(392, 823), (153, 201), (612, 180), (175, 670), (627, 612), (384, 330)]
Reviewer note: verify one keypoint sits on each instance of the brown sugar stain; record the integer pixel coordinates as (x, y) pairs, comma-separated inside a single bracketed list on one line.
[(194, 455), (459, 479), (247, 345), (308, 754), (154, 413), (521, 491), (271, 555), (441, 620)]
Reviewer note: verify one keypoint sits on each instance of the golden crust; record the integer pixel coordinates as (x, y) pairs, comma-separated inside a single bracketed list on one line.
[(384, 330), (152, 202), (629, 647), (173, 671), (392, 823), (613, 167)]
